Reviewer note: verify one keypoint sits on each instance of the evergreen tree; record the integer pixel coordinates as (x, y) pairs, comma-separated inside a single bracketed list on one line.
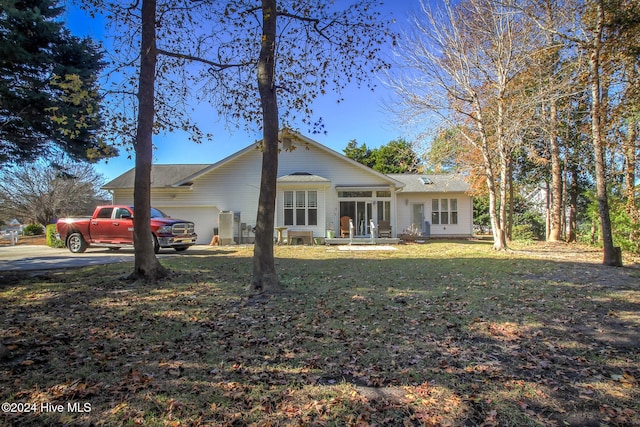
[(398, 156), (48, 85), (359, 153)]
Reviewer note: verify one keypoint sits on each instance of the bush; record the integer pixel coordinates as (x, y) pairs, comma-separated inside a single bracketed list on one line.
[(523, 232), (33, 230), (52, 240)]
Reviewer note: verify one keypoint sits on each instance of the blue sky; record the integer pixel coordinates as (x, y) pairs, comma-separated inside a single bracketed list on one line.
[(361, 116)]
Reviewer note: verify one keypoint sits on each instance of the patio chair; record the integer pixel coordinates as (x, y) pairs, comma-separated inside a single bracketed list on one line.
[(384, 229), (344, 226)]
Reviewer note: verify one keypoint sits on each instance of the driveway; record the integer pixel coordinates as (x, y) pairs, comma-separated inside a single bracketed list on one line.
[(41, 257)]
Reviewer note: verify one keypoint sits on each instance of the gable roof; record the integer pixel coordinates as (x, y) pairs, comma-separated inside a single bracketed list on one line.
[(435, 183), (301, 140), (179, 175), (162, 176)]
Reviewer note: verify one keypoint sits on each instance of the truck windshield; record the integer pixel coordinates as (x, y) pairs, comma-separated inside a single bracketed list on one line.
[(156, 213)]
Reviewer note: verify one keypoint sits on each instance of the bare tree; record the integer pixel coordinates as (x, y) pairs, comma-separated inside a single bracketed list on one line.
[(342, 45), (461, 65), (36, 192), (146, 265), (255, 73), (582, 24)]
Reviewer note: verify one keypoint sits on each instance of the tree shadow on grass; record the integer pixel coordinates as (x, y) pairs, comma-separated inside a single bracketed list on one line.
[(458, 341)]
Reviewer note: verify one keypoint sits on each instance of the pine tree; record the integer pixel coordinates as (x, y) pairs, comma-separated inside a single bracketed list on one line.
[(48, 85)]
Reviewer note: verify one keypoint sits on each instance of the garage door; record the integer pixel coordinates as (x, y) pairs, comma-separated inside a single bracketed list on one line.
[(205, 219)]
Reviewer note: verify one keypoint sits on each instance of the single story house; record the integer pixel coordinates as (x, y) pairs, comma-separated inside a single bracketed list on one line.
[(316, 187)]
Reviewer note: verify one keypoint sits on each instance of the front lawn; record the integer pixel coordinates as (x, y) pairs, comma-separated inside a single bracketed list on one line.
[(444, 333)]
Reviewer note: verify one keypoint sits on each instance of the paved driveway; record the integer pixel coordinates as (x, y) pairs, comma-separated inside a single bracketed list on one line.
[(40, 257)]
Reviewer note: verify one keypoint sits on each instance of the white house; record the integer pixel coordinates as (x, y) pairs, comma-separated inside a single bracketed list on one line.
[(316, 187)]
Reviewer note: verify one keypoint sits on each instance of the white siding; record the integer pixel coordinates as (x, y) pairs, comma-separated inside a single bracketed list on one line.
[(465, 213), (340, 171), (204, 218), (319, 229), (234, 186)]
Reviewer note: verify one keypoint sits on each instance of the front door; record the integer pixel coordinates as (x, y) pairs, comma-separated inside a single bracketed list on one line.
[(417, 217)]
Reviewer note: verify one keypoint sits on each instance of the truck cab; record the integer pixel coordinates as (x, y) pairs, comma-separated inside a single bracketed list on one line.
[(112, 226)]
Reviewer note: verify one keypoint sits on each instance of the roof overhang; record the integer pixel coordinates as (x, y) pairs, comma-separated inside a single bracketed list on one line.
[(303, 178), (364, 187)]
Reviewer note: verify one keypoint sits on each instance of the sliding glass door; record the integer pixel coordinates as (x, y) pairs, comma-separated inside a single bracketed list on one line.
[(360, 212)]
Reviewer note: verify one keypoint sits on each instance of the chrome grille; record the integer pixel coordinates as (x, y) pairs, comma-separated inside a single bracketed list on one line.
[(183, 228)]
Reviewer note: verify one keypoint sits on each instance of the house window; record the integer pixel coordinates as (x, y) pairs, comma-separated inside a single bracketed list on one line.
[(288, 208), (300, 207), (384, 210), (453, 210), (444, 211), (355, 194)]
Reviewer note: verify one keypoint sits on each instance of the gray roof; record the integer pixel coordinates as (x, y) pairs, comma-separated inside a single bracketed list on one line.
[(440, 183), (161, 176), (303, 177)]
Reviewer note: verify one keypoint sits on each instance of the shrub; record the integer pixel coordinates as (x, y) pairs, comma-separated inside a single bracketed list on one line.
[(33, 230), (52, 240), (523, 232)]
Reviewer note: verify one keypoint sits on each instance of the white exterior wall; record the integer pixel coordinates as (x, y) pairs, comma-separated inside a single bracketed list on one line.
[(234, 186), (339, 171), (318, 162), (464, 227), (319, 229)]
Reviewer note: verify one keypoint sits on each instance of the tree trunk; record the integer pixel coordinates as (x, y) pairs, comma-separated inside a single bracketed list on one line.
[(265, 278), (574, 191), (511, 200), (497, 227), (499, 235), (631, 157), (555, 229), (611, 254), (547, 209), (504, 179), (497, 222), (146, 266)]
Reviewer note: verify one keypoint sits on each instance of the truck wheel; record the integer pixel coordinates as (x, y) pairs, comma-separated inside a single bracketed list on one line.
[(76, 243), (181, 248), (156, 245)]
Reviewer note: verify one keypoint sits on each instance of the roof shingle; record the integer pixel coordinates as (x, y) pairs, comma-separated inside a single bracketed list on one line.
[(436, 183), (161, 176)]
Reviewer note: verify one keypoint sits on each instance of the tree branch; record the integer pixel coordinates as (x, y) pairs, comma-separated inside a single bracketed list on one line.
[(215, 66)]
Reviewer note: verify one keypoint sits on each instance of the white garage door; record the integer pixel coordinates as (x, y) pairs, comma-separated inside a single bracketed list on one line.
[(205, 219)]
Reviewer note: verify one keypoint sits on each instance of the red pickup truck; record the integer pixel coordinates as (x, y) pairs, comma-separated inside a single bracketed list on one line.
[(112, 227)]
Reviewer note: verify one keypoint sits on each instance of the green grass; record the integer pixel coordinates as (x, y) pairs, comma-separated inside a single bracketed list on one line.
[(445, 333)]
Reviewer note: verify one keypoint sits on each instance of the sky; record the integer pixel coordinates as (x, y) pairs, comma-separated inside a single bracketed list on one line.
[(361, 116)]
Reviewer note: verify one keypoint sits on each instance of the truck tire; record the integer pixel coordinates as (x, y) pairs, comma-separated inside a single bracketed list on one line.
[(156, 245), (181, 248), (76, 243)]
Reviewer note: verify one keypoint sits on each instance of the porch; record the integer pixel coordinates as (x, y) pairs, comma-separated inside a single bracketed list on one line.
[(362, 241)]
